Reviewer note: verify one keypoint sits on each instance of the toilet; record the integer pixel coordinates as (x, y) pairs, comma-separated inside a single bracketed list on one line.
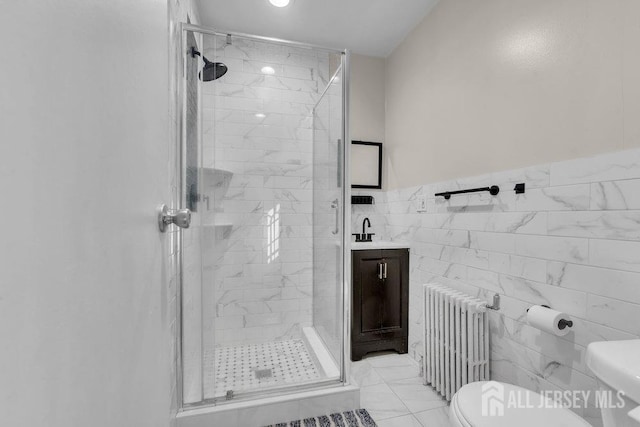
[(616, 365), (466, 408)]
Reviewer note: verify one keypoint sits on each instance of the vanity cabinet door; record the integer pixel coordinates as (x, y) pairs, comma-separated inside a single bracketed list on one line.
[(380, 301), (392, 289), (371, 292)]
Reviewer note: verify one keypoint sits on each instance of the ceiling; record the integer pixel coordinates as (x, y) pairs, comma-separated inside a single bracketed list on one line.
[(367, 27)]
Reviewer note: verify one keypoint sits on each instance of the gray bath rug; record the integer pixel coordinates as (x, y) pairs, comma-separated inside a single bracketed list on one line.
[(357, 418)]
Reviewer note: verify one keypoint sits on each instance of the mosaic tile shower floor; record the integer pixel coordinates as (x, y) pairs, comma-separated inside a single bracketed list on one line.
[(257, 366)]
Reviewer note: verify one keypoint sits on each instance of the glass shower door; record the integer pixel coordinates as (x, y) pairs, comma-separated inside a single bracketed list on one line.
[(328, 218), (265, 188), (191, 242)]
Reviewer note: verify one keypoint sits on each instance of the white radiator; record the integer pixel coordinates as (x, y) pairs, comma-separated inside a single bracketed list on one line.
[(456, 339)]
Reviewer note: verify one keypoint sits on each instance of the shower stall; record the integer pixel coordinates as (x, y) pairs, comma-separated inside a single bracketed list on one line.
[(262, 300)]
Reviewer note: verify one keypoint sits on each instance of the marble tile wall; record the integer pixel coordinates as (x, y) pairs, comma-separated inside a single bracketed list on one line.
[(571, 241), (257, 143), (377, 214)]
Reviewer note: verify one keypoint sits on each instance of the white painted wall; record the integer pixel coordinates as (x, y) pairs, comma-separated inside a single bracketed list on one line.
[(83, 163), (499, 84), (367, 108), (367, 98)]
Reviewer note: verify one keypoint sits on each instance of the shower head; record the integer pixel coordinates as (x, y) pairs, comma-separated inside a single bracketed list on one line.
[(211, 70)]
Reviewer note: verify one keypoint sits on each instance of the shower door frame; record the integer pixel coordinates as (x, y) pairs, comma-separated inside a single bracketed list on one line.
[(180, 194)]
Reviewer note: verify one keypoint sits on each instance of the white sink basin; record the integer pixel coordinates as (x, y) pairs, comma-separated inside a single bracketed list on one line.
[(379, 244)]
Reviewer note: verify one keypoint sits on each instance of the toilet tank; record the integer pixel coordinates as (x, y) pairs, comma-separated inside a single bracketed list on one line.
[(616, 364)]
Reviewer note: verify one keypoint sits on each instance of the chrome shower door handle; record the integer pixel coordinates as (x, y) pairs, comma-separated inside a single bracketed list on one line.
[(334, 205), (180, 217)]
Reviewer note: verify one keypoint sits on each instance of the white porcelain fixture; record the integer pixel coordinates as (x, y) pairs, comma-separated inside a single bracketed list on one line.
[(466, 409), (363, 246), (616, 364)]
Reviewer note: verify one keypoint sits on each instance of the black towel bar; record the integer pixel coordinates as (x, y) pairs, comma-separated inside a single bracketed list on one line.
[(493, 190)]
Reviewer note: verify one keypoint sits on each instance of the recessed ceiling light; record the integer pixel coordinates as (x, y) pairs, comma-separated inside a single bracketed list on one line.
[(268, 70), (279, 3), (260, 115)]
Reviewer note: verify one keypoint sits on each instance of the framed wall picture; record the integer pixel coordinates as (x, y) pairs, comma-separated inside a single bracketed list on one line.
[(366, 164)]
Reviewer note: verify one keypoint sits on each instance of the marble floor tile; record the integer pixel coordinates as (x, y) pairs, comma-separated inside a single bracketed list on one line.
[(403, 421), (381, 402), (363, 374), (398, 398), (390, 360), (391, 373), (416, 396), (434, 418), (393, 366)]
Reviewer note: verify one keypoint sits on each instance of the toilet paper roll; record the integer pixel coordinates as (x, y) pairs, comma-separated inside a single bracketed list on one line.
[(547, 320)]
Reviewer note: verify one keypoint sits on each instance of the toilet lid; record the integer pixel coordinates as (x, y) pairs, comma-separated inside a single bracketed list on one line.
[(525, 413)]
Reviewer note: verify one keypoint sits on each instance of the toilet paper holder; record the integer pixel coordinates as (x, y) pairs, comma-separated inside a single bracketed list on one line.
[(562, 323)]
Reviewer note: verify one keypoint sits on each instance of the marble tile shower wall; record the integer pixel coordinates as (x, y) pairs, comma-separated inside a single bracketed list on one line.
[(257, 131), (572, 241)]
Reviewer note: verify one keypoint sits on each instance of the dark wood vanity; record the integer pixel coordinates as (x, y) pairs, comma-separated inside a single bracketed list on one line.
[(380, 302)]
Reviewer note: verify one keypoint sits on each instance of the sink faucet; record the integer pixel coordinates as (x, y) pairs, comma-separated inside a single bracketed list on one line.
[(364, 237), (365, 221)]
